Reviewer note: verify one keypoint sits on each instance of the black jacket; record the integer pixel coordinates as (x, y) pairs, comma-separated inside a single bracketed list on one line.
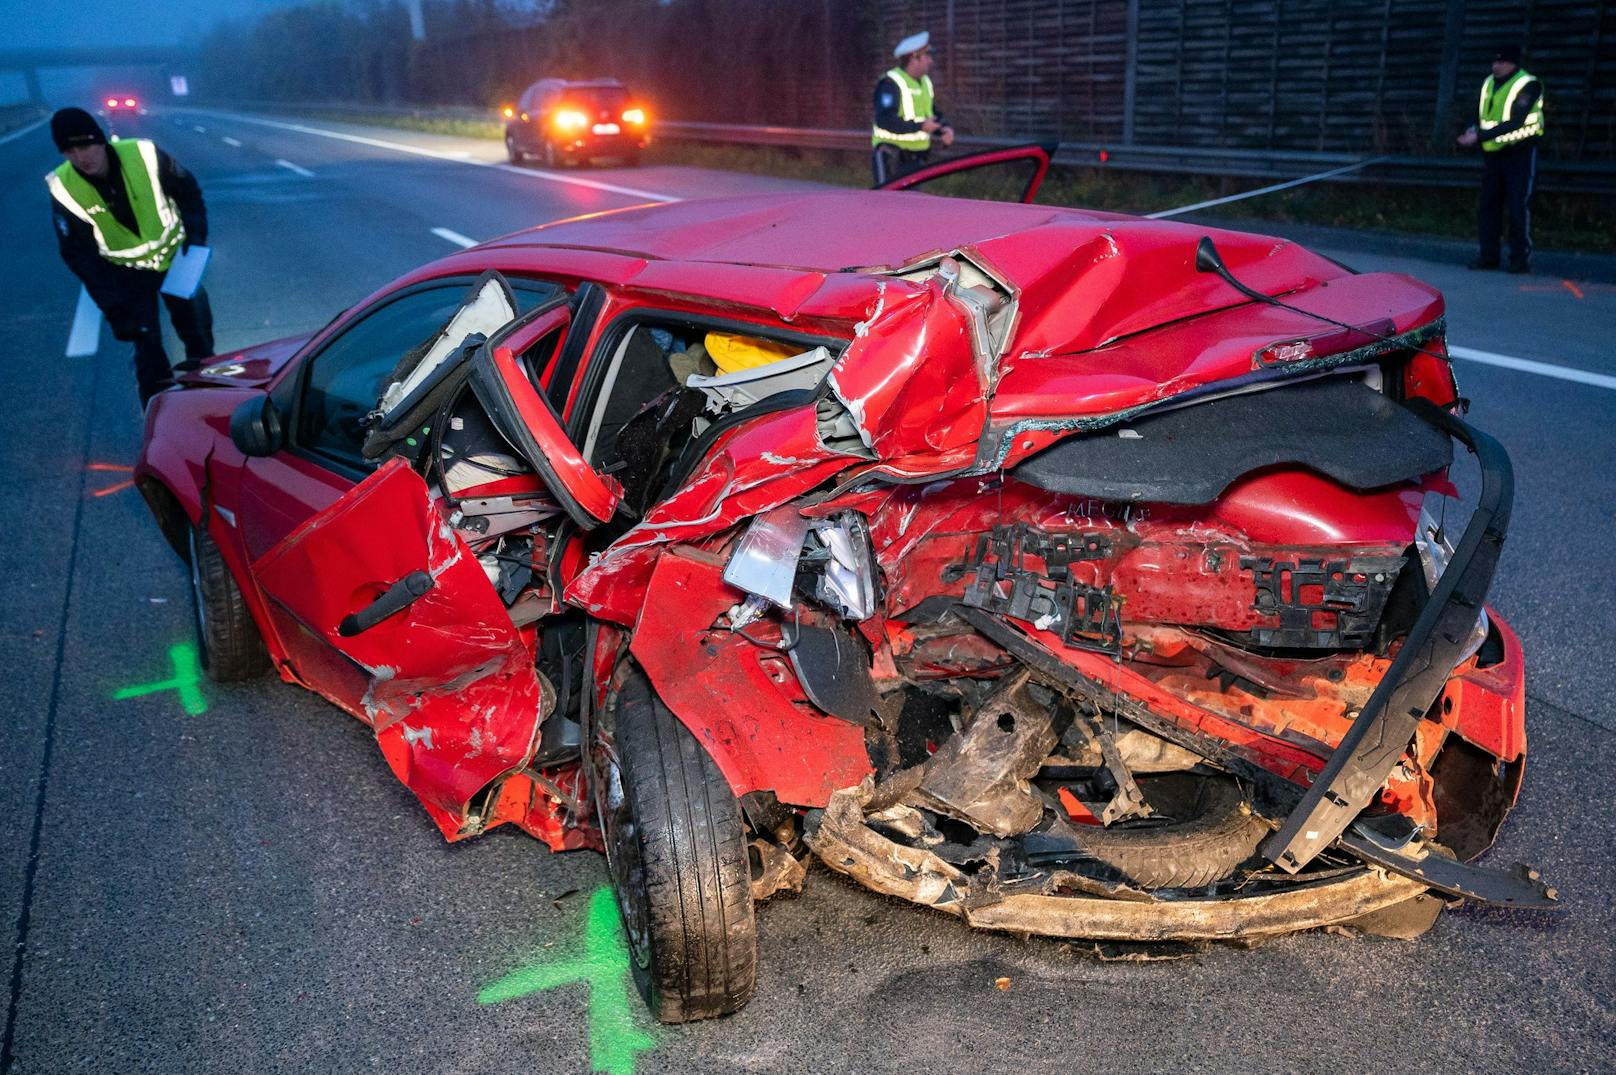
[(111, 285)]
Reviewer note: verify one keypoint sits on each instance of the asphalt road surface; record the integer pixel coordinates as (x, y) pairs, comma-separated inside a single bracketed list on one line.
[(231, 880)]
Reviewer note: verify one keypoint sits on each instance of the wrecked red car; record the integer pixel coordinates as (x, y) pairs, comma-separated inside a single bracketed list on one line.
[(1070, 573)]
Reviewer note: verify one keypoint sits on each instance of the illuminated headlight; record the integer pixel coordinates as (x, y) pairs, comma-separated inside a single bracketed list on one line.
[(830, 559), (1435, 552)]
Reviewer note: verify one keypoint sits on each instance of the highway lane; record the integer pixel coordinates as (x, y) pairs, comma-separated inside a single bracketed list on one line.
[(248, 888)]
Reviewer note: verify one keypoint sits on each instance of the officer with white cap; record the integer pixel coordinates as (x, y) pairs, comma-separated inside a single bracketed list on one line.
[(906, 113)]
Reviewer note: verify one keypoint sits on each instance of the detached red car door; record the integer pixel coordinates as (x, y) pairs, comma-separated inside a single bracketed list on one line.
[(394, 618), (380, 582)]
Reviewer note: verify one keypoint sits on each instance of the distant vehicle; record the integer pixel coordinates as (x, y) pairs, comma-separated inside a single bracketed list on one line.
[(562, 122), (122, 104)]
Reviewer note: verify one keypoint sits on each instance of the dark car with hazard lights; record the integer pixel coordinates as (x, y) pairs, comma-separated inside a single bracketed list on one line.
[(1065, 572), (560, 122)]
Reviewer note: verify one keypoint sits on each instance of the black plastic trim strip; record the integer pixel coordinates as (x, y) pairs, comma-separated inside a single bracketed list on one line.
[(1372, 746)]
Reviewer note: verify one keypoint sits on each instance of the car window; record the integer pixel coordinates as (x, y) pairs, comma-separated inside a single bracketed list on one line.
[(345, 379)]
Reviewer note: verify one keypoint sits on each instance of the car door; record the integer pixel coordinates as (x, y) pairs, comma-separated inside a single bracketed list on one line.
[(1013, 174), (402, 623)]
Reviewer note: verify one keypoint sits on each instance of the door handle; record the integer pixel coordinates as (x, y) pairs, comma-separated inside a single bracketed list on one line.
[(399, 596)]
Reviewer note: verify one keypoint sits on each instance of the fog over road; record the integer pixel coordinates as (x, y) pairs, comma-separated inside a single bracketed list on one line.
[(249, 889)]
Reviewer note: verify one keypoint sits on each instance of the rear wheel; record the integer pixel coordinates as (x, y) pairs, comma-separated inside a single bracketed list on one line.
[(231, 649), (675, 843)]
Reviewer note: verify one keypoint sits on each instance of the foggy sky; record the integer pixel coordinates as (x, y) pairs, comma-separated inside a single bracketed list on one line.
[(109, 23)]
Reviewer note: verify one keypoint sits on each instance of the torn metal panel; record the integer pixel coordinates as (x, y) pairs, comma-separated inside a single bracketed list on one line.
[(981, 775), (741, 702), (775, 870), (447, 684), (844, 842)]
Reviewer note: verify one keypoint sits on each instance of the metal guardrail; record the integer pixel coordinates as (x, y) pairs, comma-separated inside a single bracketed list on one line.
[(1276, 164), (1198, 160)]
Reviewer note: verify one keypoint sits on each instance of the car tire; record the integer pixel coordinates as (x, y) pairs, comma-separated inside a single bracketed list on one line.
[(550, 158), (631, 159), (511, 151), (676, 847), (228, 643), (1204, 829)]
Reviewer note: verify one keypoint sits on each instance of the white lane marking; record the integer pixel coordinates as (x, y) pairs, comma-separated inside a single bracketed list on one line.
[(400, 147), (454, 237), (20, 131), (85, 339), (1526, 365), (199, 130), (290, 167), (232, 142)]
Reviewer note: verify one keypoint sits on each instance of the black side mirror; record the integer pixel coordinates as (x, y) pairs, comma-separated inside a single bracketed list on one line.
[(255, 427)]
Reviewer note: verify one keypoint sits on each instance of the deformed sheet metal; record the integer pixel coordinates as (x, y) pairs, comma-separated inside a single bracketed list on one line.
[(981, 775), (847, 845)]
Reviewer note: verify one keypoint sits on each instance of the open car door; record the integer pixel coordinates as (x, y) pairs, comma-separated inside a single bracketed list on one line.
[(1013, 174), (400, 620)]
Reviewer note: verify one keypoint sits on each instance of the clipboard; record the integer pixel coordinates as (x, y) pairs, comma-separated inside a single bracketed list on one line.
[(185, 272)]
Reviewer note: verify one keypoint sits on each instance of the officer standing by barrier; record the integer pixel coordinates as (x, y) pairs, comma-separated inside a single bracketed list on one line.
[(121, 212), (906, 113), (1509, 126)]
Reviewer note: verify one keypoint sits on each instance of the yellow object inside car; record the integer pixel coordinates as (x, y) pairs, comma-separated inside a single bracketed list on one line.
[(732, 353)]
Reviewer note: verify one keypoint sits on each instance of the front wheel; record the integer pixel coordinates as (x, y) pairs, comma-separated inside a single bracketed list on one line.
[(676, 847), (514, 154), (231, 649)]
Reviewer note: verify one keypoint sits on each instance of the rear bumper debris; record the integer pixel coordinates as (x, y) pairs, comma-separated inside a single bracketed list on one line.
[(1060, 904)]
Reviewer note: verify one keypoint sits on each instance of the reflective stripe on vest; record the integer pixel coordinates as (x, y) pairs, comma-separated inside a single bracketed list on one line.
[(915, 101), (1490, 112), (157, 218)]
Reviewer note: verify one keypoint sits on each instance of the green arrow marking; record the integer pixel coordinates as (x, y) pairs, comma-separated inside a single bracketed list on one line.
[(602, 962), (187, 681)]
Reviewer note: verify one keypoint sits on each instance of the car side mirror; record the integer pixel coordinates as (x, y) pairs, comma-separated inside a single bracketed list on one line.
[(255, 427)]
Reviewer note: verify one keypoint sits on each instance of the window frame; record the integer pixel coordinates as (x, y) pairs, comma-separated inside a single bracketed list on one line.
[(296, 386)]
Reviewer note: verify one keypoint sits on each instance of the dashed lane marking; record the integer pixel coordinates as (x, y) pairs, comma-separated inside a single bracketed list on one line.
[(1526, 365), (199, 130), (85, 339), (232, 142), (20, 131), (297, 169), (456, 158), (454, 237)]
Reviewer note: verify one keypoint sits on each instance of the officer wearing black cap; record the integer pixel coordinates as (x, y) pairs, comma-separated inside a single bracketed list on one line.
[(122, 210), (1509, 126), (906, 117)]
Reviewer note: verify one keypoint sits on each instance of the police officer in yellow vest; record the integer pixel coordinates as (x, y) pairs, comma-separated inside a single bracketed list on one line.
[(906, 113), (121, 212), (1509, 126)]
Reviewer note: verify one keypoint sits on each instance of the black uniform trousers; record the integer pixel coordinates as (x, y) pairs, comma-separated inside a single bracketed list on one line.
[(1506, 185), (888, 162), (132, 309)]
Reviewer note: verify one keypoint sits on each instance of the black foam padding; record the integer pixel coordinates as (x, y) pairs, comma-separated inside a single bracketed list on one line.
[(1340, 428)]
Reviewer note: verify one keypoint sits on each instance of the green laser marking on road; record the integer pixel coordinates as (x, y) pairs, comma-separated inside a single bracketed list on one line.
[(187, 680), (602, 961)]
